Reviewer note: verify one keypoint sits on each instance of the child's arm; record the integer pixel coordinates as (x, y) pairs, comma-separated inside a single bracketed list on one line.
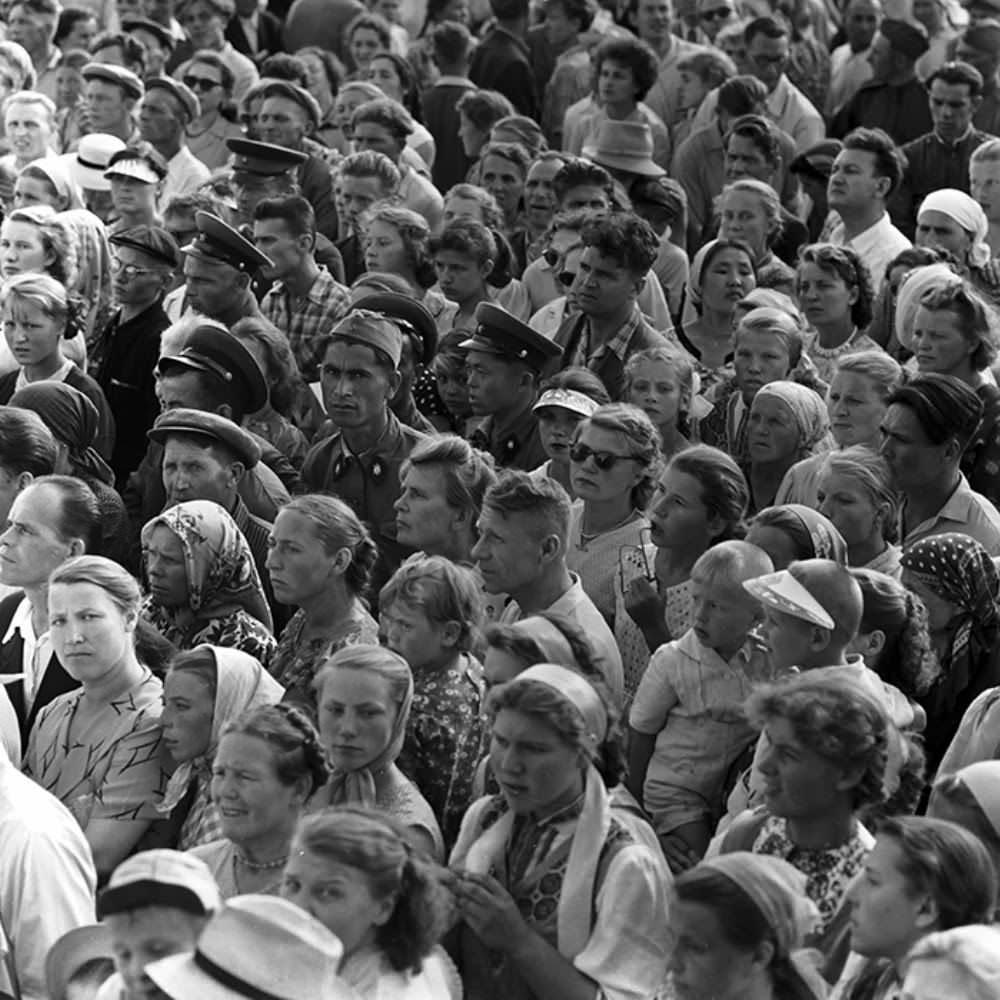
[(640, 749), (654, 700)]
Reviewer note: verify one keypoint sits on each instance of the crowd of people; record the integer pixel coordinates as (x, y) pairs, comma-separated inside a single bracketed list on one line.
[(500, 499)]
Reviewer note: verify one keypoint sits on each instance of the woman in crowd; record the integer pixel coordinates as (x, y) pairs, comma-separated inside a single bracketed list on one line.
[(324, 75), (33, 240), (789, 532), (267, 764), (855, 403), (367, 34), (722, 273), (97, 749), (206, 689), (397, 242), (503, 169), (73, 420), (567, 399), (393, 76), (468, 201), (583, 910), (824, 755), (349, 98), (922, 875), (661, 382), (958, 582), (788, 422), (956, 332), (320, 561), (835, 292), (750, 212), (740, 923), (701, 498), (963, 962), (393, 907), (212, 80), (855, 492), (883, 326), (968, 797), (364, 694), (203, 583)]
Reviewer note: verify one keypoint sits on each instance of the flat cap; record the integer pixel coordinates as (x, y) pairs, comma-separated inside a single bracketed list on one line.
[(160, 877), (264, 158), (373, 330), (221, 244), (292, 92), (410, 316), (905, 37), (117, 75), (213, 349), (506, 336), (161, 34), (152, 241), (210, 426), (185, 96), (817, 160)]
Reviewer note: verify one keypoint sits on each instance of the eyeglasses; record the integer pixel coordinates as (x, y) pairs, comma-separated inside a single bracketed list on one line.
[(604, 460), (130, 271), (718, 14), (566, 278), (201, 83)]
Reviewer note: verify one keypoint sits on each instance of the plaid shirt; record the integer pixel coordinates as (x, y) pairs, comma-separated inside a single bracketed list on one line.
[(584, 357), (309, 319)]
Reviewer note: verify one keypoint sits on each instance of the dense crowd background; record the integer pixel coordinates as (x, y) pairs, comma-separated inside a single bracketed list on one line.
[(499, 500)]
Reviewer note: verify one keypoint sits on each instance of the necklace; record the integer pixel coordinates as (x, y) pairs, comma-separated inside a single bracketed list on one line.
[(587, 537), (255, 866)]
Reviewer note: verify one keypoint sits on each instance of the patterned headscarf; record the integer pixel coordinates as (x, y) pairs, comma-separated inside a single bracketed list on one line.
[(966, 212), (827, 541), (221, 574), (809, 411)]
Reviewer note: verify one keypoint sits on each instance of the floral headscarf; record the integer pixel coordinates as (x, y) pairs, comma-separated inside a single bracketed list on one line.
[(810, 413), (221, 574)]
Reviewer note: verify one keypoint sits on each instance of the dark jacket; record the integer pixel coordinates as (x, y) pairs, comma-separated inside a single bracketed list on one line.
[(441, 119), (269, 40), (902, 111), (502, 63)]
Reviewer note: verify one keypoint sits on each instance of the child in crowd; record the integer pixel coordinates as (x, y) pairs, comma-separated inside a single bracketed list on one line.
[(448, 369), (687, 727), (431, 615), (661, 383), (567, 398), (701, 499)]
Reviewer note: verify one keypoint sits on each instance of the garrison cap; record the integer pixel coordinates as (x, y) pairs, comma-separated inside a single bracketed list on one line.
[(221, 244), (409, 315), (118, 75), (152, 241), (185, 96), (372, 329), (264, 158), (211, 426), (213, 349), (506, 336)]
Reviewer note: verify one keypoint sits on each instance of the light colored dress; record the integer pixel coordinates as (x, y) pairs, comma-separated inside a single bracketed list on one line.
[(220, 856), (368, 972)]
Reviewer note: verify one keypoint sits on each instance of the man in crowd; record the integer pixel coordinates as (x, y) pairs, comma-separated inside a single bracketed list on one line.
[(979, 46), (29, 120), (850, 67), (865, 174), (32, 24), (111, 94), (365, 178), (502, 60)]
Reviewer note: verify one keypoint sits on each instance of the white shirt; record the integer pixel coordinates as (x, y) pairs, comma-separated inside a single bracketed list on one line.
[(185, 174), (876, 246), (848, 71), (36, 653), (47, 877)]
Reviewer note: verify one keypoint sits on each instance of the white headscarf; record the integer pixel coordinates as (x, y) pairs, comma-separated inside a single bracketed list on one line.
[(966, 212)]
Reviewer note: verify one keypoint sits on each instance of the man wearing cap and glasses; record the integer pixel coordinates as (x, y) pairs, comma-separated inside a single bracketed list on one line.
[(359, 375), (124, 356), (110, 95), (165, 112)]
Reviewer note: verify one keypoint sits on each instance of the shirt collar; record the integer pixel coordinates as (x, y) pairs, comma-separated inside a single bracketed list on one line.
[(957, 142), (21, 623)]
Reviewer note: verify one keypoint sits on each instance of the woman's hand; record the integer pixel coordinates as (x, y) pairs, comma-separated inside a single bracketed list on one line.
[(490, 911), (642, 602)]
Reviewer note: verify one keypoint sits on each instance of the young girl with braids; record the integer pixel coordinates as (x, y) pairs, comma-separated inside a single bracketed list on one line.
[(661, 383), (389, 908)]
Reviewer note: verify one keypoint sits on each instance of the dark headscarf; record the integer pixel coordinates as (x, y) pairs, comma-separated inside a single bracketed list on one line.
[(73, 420)]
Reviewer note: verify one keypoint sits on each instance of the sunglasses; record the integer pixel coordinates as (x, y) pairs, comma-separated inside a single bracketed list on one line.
[(604, 460), (130, 271), (201, 83), (718, 14)]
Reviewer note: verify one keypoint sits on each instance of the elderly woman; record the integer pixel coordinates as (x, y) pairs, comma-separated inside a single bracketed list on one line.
[(856, 403), (503, 170), (731, 910), (364, 694), (835, 292), (267, 764), (582, 912), (824, 753), (958, 582), (790, 532), (939, 863), (788, 422), (96, 749), (205, 689), (203, 583), (74, 422), (951, 220), (320, 561)]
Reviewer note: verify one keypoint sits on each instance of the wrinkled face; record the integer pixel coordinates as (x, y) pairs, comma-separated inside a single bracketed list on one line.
[(985, 187), (193, 472), (853, 183), (29, 129), (727, 279), (32, 544), (33, 336), (282, 122), (914, 460), (856, 409), (767, 59), (939, 344), (424, 520), (29, 29), (535, 769), (951, 107), (935, 229), (505, 181), (91, 635), (590, 481), (188, 706), (616, 83), (677, 514), (141, 937), (211, 288), (383, 73), (106, 104), (492, 381), (163, 557), (539, 195), (298, 564), (704, 962), (759, 358), (356, 388), (852, 509), (774, 434), (21, 249), (509, 551), (339, 896), (356, 716)]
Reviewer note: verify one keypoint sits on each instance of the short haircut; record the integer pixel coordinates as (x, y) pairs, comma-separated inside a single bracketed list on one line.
[(958, 74), (468, 237), (484, 108), (390, 114), (581, 11), (45, 8), (769, 27), (742, 95), (512, 152), (579, 172), (760, 132), (731, 563), (368, 163), (625, 238), (988, 152), (634, 54), (543, 501), (297, 213), (198, 201), (31, 97), (889, 161), (946, 408), (26, 443), (284, 66), (712, 66), (509, 10), (69, 18), (451, 43)]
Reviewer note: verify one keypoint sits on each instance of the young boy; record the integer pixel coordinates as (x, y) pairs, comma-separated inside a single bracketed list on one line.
[(686, 727), (431, 614), (156, 904)]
